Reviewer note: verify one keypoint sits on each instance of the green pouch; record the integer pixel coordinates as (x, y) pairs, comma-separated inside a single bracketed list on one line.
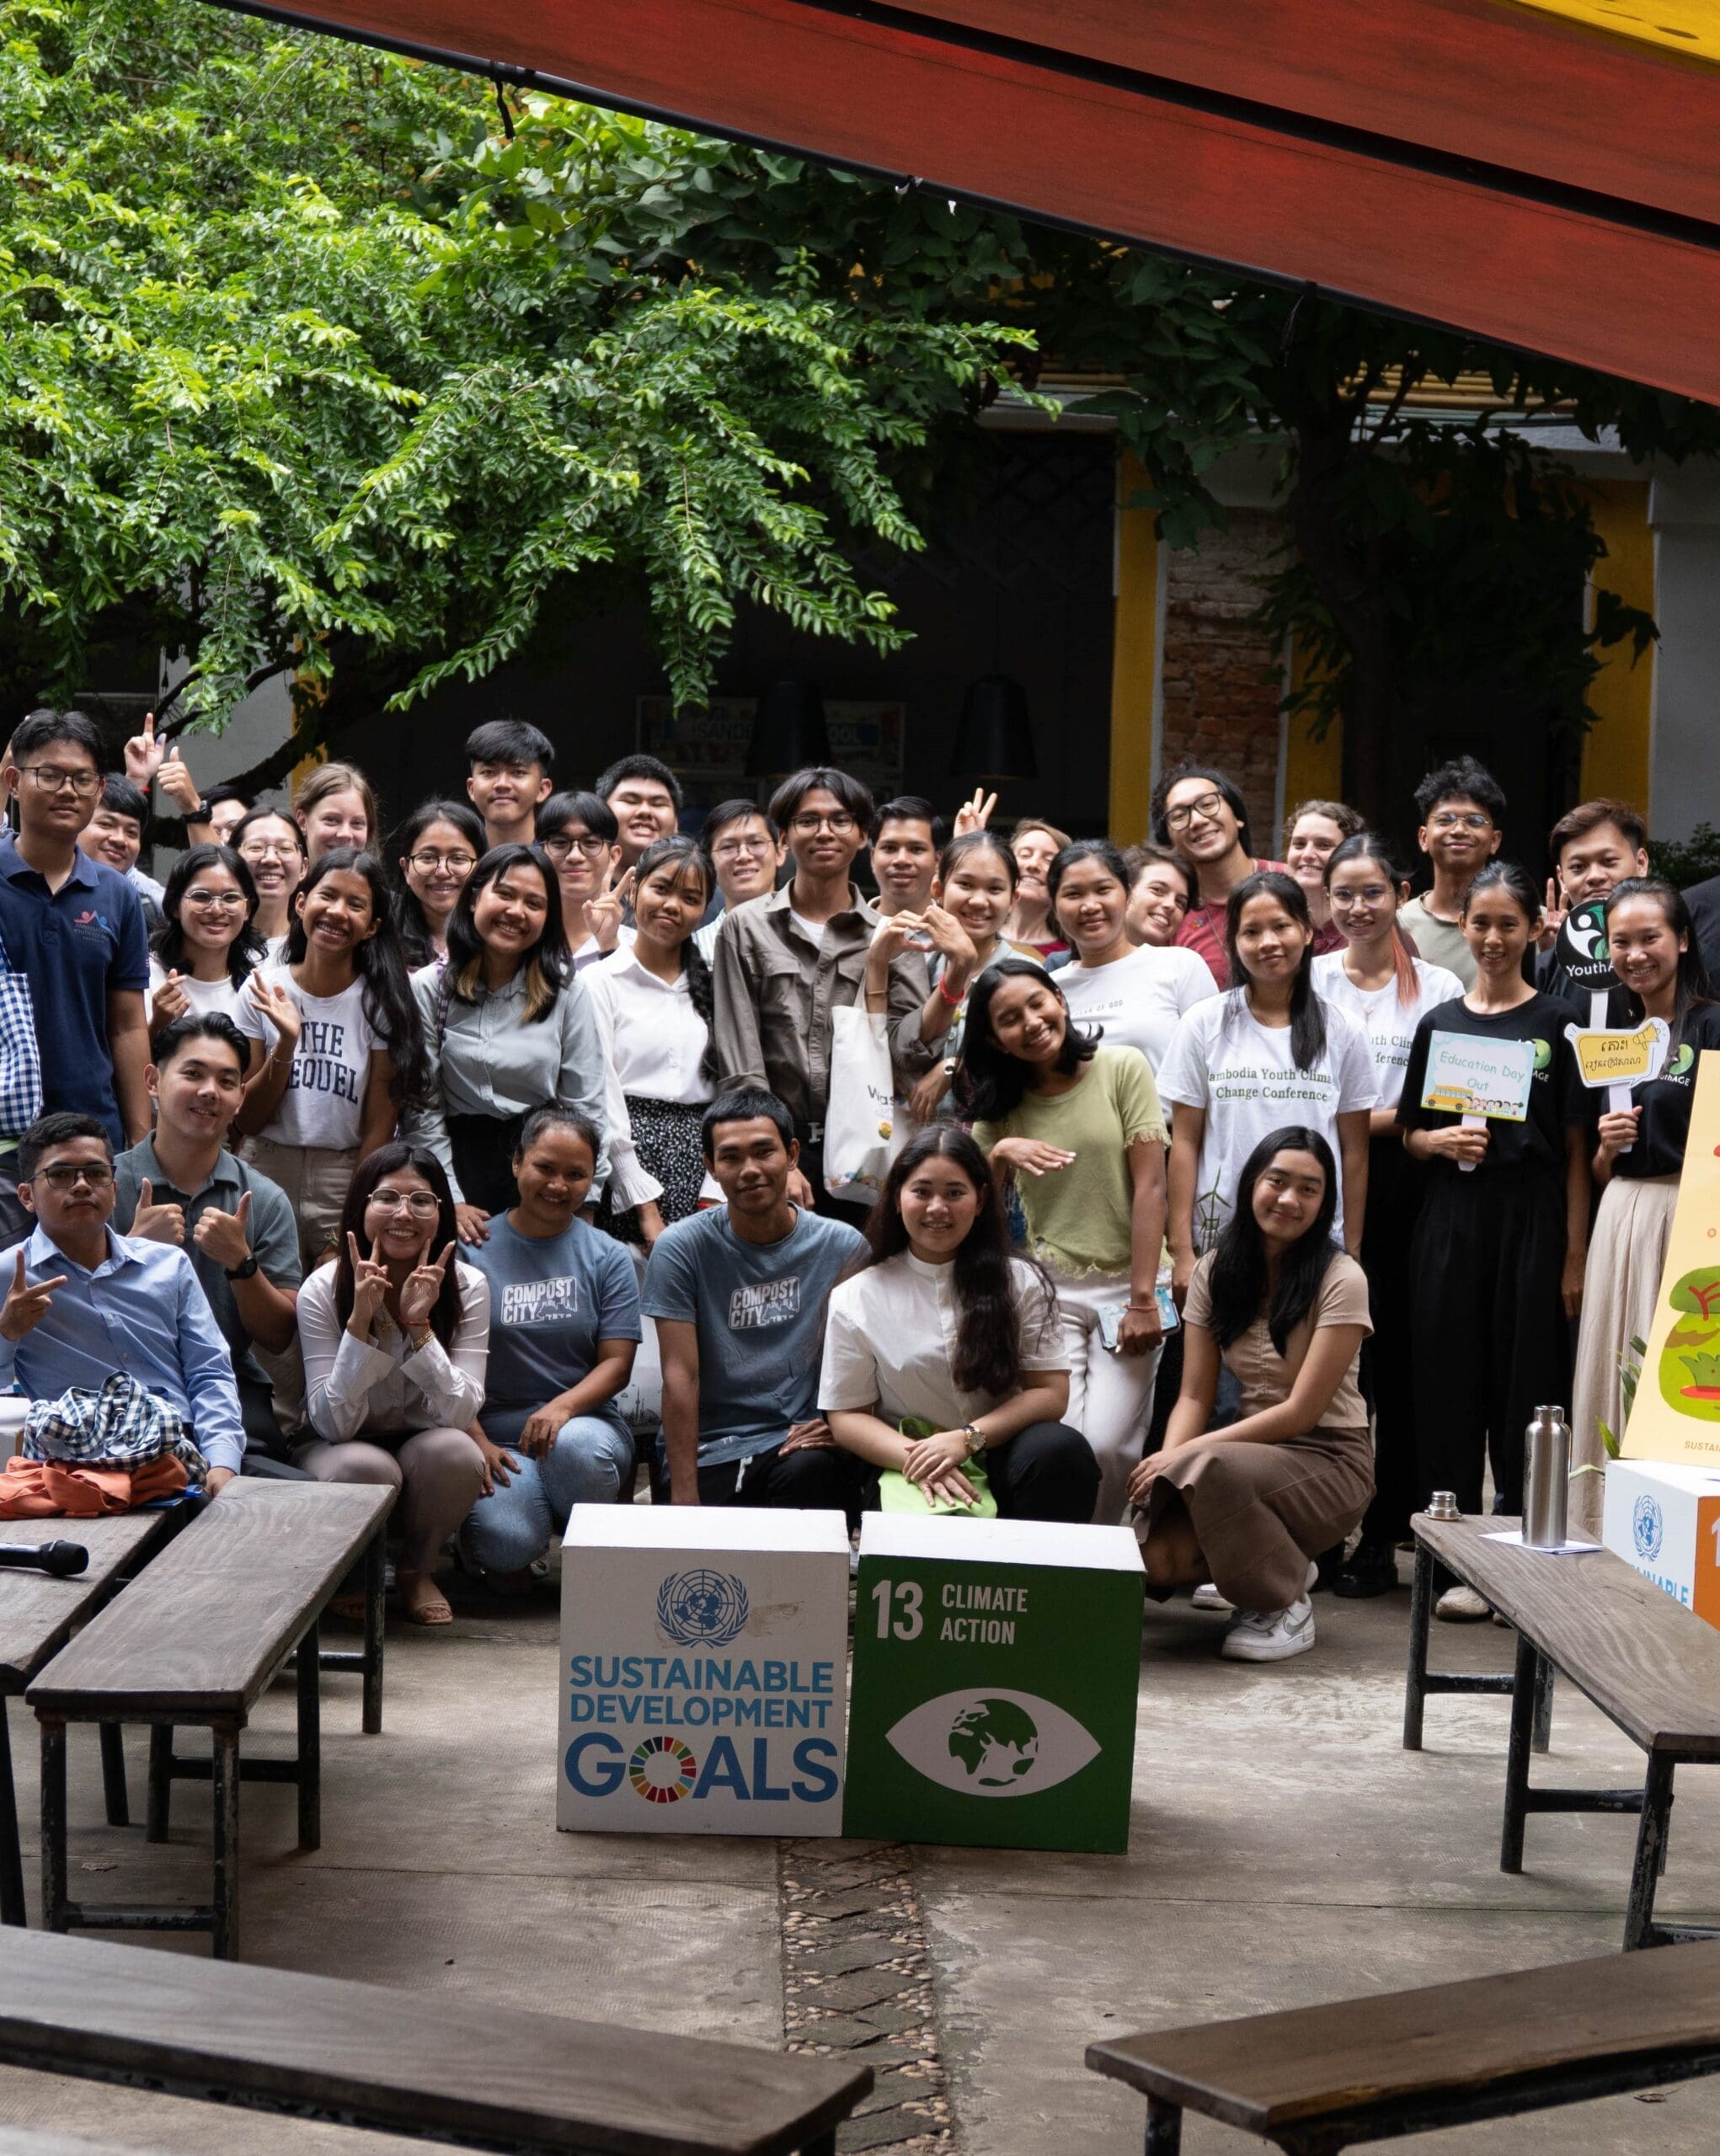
[(896, 1494)]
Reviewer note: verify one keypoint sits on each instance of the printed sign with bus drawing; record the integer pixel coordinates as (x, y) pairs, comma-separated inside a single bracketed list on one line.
[(1477, 1078)]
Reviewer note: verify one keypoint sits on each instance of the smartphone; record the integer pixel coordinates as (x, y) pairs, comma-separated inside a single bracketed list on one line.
[(1111, 1316)]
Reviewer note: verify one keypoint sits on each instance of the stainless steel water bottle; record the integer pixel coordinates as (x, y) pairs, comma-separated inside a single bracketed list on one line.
[(1546, 1485)]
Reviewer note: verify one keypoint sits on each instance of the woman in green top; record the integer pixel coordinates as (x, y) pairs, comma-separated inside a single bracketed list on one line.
[(1079, 1130)]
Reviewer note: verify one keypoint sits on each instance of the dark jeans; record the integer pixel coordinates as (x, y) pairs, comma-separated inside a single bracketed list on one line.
[(1046, 1471), (483, 1147), (819, 1478)]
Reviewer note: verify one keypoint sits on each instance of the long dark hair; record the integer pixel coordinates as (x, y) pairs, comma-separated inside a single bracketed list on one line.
[(988, 1353), (245, 951), (387, 1160), (989, 1084), (546, 966), (1109, 858), (1236, 1285), (380, 965), (1691, 988), (410, 922), (1307, 1014), (1369, 845), (681, 853)]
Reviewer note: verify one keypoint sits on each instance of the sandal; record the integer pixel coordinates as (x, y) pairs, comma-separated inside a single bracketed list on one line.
[(422, 1601)]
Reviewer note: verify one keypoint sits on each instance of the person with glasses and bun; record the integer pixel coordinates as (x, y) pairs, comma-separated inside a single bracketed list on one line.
[(784, 964), (1201, 814), (435, 851)]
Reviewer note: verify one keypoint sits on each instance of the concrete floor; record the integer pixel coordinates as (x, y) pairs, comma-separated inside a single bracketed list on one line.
[(1285, 1850)]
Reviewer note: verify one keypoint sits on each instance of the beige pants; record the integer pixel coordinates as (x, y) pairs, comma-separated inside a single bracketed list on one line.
[(439, 1474), (1626, 1255), (315, 1180)]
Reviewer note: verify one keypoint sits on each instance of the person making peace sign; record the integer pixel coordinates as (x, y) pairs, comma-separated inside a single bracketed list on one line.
[(396, 1338)]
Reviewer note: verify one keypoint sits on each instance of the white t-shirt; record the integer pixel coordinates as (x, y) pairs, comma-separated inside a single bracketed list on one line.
[(1240, 1074), (202, 996), (323, 1103), (1138, 999), (1389, 1025)]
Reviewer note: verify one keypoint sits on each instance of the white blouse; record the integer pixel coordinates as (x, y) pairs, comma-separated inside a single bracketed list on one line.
[(385, 1385), (890, 1342), (654, 1041)]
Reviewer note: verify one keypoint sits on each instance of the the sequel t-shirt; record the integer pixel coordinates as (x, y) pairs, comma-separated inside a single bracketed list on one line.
[(758, 1312), (1555, 1092), (552, 1299), (323, 1103)]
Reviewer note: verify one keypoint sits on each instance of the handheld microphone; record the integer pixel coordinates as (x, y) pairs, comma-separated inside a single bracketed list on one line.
[(61, 1559)]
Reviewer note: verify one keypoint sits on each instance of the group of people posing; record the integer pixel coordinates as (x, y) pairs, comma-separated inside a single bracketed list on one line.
[(371, 1158)]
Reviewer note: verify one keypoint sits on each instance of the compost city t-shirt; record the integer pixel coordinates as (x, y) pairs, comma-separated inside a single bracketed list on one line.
[(552, 1299)]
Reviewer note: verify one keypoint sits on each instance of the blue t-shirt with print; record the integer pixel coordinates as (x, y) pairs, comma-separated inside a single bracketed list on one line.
[(758, 1312), (552, 1299)]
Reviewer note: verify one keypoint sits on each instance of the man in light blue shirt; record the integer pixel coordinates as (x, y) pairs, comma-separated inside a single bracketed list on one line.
[(83, 1302)]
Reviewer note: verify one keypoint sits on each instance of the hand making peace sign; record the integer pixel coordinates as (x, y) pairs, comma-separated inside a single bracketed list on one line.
[(369, 1288), (603, 913), (26, 1306), (423, 1284)]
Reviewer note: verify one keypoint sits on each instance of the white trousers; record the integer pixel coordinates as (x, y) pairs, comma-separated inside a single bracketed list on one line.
[(1110, 1397)]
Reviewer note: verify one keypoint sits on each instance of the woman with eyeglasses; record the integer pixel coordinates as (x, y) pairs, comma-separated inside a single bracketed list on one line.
[(578, 834), (509, 1029), (396, 1340), (272, 847), (1376, 981), (436, 849), (207, 949)]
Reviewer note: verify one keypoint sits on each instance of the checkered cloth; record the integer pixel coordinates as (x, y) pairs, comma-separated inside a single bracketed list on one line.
[(20, 1055), (122, 1426)]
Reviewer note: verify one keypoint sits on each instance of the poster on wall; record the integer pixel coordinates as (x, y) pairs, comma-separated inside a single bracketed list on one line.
[(1676, 1413), (707, 749)]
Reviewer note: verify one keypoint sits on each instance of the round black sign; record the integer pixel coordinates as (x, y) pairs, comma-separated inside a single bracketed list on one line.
[(1581, 947)]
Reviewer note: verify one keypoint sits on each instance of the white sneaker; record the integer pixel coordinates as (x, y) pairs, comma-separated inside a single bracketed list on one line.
[(1271, 1634), (1208, 1597), (1462, 1605)]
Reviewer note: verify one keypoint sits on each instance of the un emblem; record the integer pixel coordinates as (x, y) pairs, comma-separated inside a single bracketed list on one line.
[(702, 1609), (1646, 1527)]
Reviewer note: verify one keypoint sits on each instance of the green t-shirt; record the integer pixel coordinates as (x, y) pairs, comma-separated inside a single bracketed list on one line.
[(1079, 1218)]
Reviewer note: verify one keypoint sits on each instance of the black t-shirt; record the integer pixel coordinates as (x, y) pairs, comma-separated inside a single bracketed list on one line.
[(1551, 980), (1555, 1097), (1703, 901), (1665, 1101)]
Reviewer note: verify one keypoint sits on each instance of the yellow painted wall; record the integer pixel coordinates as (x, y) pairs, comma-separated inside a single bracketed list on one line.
[(1134, 641), (1616, 750), (1313, 770)]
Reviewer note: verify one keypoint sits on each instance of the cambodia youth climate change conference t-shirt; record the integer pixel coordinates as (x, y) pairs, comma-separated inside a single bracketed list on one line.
[(323, 1103), (552, 1299), (1240, 1074), (758, 1312)]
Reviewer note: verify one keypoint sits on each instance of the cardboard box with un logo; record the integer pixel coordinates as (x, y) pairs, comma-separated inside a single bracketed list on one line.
[(1664, 1519), (704, 1671)]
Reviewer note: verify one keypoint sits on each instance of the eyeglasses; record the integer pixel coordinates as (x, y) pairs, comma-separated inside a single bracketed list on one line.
[(266, 849), (564, 843), (228, 901), (55, 778), (1205, 806), (1452, 820), (838, 825), (456, 864), (1343, 900), (732, 849), (421, 1204), (67, 1175)]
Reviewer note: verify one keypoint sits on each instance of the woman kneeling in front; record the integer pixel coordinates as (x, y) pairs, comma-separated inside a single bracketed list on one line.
[(944, 1333), (1250, 1507)]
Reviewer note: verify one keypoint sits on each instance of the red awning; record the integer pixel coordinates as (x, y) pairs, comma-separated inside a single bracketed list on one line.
[(1505, 169)]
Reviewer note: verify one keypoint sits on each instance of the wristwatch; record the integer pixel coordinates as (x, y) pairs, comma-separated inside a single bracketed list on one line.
[(200, 813), (242, 1272), (976, 1443)]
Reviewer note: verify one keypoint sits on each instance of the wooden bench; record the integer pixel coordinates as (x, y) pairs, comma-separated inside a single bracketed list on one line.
[(436, 2065), (195, 1641), (1317, 2079), (1652, 1667), (38, 1615)]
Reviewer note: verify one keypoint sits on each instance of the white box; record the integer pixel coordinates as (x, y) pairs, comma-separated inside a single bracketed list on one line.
[(1665, 1520), (703, 1670)]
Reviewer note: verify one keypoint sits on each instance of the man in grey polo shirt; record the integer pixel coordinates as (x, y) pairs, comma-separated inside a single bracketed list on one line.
[(182, 1186)]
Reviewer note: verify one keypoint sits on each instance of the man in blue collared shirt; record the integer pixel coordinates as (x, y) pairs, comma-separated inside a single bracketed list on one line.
[(83, 1302)]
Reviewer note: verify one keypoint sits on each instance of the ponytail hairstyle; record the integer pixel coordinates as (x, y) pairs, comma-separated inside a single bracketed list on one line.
[(1102, 850), (990, 1084), (1691, 989), (245, 953), (387, 1160), (979, 841), (409, 921), (545, 966), (1307, 1015), (381, 964), (1508, 876), (681, 854), (1369, 845), (987, 1354), (1236, 1285)]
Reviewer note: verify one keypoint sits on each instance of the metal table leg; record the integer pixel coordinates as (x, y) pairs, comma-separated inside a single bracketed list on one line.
[(12, 1905), (226, 1777), (375, 1573), (1517, 1758), (1543, 1703), (118, 1804), (1415, 1689), (53, 1825), (1651, 1842), (160, 1797), (1164, 2127), (310, 1736)]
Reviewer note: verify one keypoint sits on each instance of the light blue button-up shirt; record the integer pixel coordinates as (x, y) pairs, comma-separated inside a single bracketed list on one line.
[(141, 1311)]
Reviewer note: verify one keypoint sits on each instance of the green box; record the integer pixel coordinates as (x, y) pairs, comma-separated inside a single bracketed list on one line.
[(996, 1667)]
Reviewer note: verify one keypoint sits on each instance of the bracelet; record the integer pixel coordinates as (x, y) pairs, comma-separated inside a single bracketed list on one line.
[(954, 1002)]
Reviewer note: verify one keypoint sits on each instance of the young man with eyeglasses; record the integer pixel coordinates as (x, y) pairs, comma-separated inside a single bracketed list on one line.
[(784, 964), (577, 831), (508, 766), (73, 928), (83, 1303), (1201, 815), (746, 852), (1462, 812)]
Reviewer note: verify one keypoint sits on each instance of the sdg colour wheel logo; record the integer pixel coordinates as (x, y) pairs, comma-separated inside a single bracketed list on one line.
[(662, 1770), (702, 1609), (1646, 1527)]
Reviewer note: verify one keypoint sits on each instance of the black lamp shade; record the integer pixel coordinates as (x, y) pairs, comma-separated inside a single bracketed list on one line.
[(995, 738), (789, 731)]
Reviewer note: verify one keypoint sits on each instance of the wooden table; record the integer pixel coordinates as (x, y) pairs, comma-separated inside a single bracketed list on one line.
[(1652, 1666), (37, 1616)]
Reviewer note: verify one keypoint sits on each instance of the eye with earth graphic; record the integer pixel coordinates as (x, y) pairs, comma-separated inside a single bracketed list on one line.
[(993, 1743)]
